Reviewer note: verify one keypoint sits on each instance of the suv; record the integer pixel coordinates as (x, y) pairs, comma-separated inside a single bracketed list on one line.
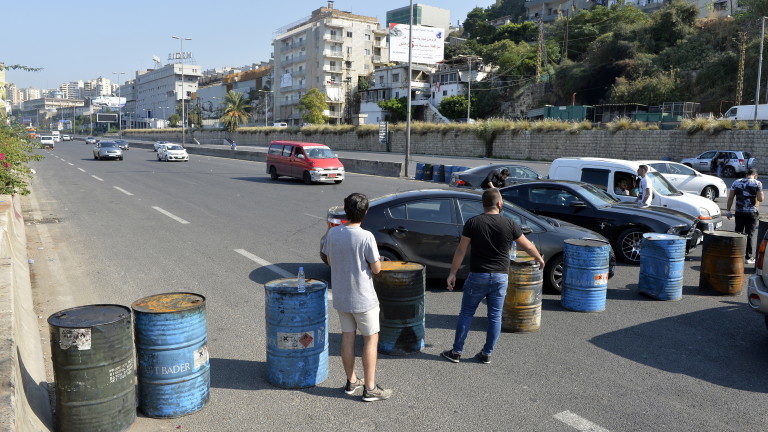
[(47, 141), (737, 162), (757, 287)]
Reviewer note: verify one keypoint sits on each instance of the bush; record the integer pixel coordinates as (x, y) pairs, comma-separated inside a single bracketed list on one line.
[(16, 150)]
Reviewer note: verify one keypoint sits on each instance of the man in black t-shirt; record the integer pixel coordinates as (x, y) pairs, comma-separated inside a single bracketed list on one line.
[(495, 179), (490, 234)]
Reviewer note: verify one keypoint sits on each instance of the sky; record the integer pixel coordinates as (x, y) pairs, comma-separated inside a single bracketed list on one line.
[(86, 39)]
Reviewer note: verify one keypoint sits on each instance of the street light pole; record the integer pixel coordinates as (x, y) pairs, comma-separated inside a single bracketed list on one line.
[(408, 99), (183, 90), (469, 85), (119, 108), (759, 68)]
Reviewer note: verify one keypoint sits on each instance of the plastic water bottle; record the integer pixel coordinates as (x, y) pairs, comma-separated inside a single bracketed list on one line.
[(301, 282), (513, 251)]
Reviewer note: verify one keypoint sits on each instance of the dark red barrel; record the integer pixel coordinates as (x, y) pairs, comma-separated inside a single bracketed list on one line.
[(722, 262)]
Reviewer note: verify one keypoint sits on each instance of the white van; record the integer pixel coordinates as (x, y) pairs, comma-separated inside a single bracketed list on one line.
[(606, 174), (56, 136)]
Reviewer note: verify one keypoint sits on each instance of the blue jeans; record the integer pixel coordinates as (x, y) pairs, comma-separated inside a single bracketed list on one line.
[(478, 286)]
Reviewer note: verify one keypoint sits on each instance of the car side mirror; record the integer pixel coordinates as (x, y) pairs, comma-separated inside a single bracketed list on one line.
[(301, 156), (578, 204), (526, 229)]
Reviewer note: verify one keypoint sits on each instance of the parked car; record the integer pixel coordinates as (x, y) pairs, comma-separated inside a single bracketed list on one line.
[(473, 177), (47, 141), (310, 162), (689, 180), (90, 140), (107, 150), (737, 162), (159, 143), (425, 226), (590, 207), (757, 286), (66, 137), (172, 152), (123, 144)]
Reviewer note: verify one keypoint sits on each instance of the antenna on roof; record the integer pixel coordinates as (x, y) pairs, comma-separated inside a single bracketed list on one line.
[(156, 59)]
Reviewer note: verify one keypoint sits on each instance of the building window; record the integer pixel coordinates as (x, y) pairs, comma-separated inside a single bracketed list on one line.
[(349, 34), (395, 77), (349, 51), (367, 37), (368, 52), (445, 92)]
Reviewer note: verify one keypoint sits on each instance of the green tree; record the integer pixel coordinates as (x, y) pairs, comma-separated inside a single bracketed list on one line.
[(16, 151), (651, 90), (173, 120), (476, 26), (523, 32), (455, 107), (311, 107), (396, 108), (236, 110)]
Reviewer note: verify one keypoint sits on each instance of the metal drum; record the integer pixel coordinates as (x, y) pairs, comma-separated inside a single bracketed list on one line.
[(447, 171), (297, 333), (585, 275), (428, 172), (419, 171), (93, 366), (400, 288), (722, 262), (172, 350), (661, 266), (522, 305), (438, 173)]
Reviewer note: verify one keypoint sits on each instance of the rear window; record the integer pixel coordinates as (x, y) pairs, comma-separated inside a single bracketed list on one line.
[(275, 149), (594, 176)]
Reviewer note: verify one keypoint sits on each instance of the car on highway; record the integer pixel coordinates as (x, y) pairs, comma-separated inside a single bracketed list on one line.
[(689, 180), (737, 162), (157, 144), (757, 286), (66, 137), (123, 144), (310, 162), (588, 206), (90, 140), (47, 141), (473, 177), (107, 150), (172, 152), (425, 226)]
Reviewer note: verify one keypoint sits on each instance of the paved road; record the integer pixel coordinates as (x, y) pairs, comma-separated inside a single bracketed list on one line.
[(140, 227)]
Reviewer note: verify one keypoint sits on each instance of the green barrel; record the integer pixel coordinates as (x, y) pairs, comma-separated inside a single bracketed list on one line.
[(93, 366), (400, 288)]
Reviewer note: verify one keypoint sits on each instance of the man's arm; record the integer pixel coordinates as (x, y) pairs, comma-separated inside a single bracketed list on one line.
[(760, 196), (731, 195), (375, 267), (458, 258), (526, 245)]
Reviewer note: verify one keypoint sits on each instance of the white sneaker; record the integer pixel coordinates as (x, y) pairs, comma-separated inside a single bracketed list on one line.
[(750, 260)]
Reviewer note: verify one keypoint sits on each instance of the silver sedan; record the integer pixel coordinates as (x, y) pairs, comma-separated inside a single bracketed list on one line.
[(107, 150)]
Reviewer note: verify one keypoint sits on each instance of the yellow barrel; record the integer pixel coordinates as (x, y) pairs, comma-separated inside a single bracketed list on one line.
[(722, 262), (522, 306)]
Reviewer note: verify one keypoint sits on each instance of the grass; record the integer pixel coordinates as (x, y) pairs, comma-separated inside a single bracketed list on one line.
[(709, 125)]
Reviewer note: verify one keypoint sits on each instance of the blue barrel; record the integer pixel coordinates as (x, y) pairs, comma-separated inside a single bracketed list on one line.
[(172, 349), (585, 275), (662, 260), (427, 172), (437, 173), (448, 170), (297, 333), (419, 171), (400, 288)]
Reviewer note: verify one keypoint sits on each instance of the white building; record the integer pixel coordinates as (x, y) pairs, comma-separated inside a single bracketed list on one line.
[(155, 93), (423, 15), (392, 83), (73, 89)]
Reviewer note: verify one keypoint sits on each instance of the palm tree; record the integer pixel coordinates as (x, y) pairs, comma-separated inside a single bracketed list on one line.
[(236, 110)]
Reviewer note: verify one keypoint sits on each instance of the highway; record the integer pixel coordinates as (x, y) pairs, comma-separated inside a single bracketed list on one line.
[(116, 231)]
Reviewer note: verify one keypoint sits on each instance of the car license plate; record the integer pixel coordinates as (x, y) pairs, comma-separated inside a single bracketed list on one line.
[(332, 175)]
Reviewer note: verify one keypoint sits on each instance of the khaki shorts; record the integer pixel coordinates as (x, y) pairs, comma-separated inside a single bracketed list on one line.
[(366, 322)]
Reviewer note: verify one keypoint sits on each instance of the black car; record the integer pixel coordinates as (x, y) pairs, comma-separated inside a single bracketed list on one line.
[(425, 226), (473, 177), (587, 206)]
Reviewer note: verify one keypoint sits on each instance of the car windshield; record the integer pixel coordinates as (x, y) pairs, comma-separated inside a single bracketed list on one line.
[(596, 196), (174, 147), (662, 185), (319, 153), (108, 144)]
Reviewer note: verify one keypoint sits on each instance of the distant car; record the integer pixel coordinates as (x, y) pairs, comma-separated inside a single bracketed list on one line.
[(473, 177), (159, 143), (90, 140), (66, 137), (737, 162), (107, 150), (757, 286), (47, 141), (425, 226), (588, 206), (172, 152), (688, 179), (123, 144)]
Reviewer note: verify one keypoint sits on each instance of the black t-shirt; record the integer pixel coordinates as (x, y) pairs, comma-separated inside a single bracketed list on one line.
[(491, 236), (495, 178)]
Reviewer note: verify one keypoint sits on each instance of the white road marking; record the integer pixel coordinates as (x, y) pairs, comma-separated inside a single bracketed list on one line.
[(122, 190), (579, 423), (62, 159), (264, 263), (313, 216), (171, 215), (97, 178), (81, 169), (71, 163)]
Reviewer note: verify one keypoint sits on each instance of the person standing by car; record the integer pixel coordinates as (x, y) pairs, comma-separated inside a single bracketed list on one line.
[(353, 256), (748, 192), (495, 179), (490, 236), (645, 196)]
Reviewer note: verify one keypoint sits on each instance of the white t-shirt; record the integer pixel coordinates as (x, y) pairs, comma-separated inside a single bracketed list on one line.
[(645, 187), (351, 250)]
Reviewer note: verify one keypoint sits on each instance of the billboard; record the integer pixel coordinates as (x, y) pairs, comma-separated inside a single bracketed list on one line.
[(106, 118), (108, 101), (428, 44)]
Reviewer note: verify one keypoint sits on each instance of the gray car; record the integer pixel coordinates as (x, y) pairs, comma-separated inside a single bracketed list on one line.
[(736, 162), (473, 177), (107, 150)]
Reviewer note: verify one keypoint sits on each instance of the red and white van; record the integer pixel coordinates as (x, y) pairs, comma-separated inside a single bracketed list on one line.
[(310, 162)]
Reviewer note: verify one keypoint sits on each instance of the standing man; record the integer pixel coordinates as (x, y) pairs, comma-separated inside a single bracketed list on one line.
[(645, 196), (490, 234), (354, 257), (748, 192), (495, 179)]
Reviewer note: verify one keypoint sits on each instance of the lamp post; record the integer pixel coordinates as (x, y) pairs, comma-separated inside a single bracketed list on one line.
[(759, 68), (183, 90), (119, 108), (408, 99), (265, 104)]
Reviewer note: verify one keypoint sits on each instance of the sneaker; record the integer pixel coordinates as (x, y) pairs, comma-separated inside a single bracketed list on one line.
[(451, 356), (483, 357), (377, 393), (353, 387), (750, 260)]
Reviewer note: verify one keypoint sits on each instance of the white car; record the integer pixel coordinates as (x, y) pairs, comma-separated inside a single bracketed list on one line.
[(47, 141), (689, 180), (172, 152), (757, 287), (159, 143), (66, 137), (737, 162)]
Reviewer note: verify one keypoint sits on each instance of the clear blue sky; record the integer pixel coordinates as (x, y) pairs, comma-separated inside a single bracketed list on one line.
[(85, 39)]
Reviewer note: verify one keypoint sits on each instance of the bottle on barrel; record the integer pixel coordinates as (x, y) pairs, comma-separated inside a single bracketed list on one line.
[(301, 282), (513, 251)]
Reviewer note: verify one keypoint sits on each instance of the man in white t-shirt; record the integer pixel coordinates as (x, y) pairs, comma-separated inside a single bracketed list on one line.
[(645, 196)]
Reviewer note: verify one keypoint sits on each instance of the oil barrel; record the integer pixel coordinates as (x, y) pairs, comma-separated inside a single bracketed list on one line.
[(662, 261), (522, 305), (428, 172), (438, 173), (419, 171), (722, 262), (174, 371), (448, 170), (585, 275), (93, 368), (400, 287), (297, 333)]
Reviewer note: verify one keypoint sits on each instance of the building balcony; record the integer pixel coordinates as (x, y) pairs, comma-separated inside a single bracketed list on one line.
[(333, 53), (333, 38), (329, 68), (380, 44), (377, 59), (295, 59), (299, 73)]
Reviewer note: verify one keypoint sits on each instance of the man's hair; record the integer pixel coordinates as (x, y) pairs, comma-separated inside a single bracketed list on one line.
[(356, 205), (643, 167), (752, 172), (491, 197), (504, 171)]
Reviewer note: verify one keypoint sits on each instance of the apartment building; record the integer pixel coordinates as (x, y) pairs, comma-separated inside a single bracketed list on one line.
[(155, 93), (423, 15)]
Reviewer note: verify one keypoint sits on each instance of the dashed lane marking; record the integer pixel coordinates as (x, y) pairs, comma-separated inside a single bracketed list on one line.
[(579, 423), (71, 163), (81, 169), (171, 215), (264, 263), (122, 190), (97, 178)]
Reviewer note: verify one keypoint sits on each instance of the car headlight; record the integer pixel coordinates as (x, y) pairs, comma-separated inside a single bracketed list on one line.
[(704, 214), (674, 230)]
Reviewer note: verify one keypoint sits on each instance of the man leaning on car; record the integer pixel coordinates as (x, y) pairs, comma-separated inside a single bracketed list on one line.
[(748, 192)]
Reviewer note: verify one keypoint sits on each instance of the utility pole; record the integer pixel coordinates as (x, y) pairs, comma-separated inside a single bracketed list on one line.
[(469, 85), (540, 52), (759, 67), (408, 108), (740, 75), (183, 84), (119, 108)]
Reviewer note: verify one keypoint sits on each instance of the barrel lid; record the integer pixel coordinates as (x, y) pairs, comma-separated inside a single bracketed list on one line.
[(290, 285), (89, 315), (168, 302), (587, 242), (659, 236), (524, 260), (730, 234), (401, 266)]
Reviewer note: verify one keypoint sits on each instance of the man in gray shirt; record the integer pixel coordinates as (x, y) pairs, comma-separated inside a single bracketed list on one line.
[(354, 257)]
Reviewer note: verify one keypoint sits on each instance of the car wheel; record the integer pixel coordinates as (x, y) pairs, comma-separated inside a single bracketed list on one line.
[(628, 245), (307, 178), (121, 158), (95, 157), (553, 275), (709, 193), (729, 171), (337, 181), (273, 173), (388, 255)]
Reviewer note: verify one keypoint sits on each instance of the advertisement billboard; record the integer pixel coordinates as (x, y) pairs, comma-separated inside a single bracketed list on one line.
[(428, 44), (106, 118), (108, 101)]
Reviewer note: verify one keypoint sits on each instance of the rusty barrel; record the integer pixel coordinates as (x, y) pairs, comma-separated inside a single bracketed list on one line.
[(297, 332), (400, 287), (662, 262), (722, 262), (93, 367), (173, 368), (522, 305), (585, 275)]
